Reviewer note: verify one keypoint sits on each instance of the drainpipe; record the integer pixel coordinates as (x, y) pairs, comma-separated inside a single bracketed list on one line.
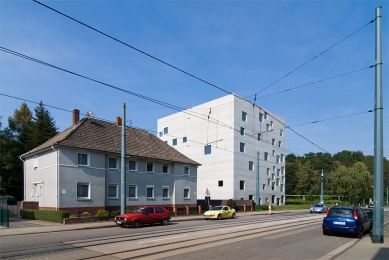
[(57, 204), (24, 178)]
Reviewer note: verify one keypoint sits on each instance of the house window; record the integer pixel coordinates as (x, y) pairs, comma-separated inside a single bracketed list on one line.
[(274, 153), (83, 191), (186, 170), (113, 191), (282, 187), (185, 139), (160, 134), (165, 168), (259, 137), (273, 141), (207, 149), (274, 168), (244, 116), (268, 171), (281, 132), (220, 183), (251, 166), (282, 170), (271, 123), (250, 197), (241, 185), (282, 157), (277, 159), (132, 165), (273, 198), (132, 191), (278, 181), (273, 177), (278, 172), (174, 141), (279, 143), (266, 115), (260, 117), (268, 181), (35, 162), (82, 159), (186, 193), (241, 148), (263, 186), (112, 163), (241, 131), (165, 192), (166, 130), (283, 179), (150, 191), (273, 186), (267, 127), (266, 156), (150, 167)]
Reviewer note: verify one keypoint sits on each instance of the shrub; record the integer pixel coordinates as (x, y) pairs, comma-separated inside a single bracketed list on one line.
[(102, 213), (261, 207), (46, 215), (231, 203), (72, 216), (10, 200), (114, 212)]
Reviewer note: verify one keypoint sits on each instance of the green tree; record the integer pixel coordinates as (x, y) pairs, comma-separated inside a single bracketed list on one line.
[(43, 126)]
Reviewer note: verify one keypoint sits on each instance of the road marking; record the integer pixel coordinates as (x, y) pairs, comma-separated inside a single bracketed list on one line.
[(338, 250), (162, 239)]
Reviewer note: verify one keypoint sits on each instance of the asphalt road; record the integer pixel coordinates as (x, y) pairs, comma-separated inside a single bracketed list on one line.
[(282, 236)]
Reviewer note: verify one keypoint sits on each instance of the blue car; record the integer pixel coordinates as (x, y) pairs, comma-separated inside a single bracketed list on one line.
[(350, 220)]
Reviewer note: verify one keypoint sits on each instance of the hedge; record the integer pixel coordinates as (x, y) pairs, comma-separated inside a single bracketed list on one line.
[(46, 215)]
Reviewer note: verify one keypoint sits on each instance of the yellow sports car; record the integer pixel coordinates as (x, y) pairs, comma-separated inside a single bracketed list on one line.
[(220, 212)]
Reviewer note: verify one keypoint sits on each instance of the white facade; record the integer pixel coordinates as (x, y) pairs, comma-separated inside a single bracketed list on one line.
[(226, 146)]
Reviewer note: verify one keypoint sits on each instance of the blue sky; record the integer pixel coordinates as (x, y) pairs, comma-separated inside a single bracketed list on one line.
[(240, 46)]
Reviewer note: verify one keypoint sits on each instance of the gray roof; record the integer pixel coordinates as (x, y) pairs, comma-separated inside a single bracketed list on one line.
[(98, 135)]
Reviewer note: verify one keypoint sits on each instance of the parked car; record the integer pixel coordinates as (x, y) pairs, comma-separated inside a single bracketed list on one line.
[(343, 219), (220, 212), (145, 215), (369, 213), (318, 208)]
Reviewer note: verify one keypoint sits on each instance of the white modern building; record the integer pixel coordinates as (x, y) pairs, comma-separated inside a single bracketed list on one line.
[(228, 137)]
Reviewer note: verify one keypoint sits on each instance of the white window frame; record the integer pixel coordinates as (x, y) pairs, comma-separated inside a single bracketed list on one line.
[(244, 185), (263, 186), (185, 139), (240, 147), (87, 158), (168, 191), (147, 164), (242, 131), (187, 167), (175, 142), (266, 156), (117, 190), (136, 191), (244, 116), (89, 189), (165, 164), (116, 163), (207, 149), (268, 171), (136, 165), (251, 166), (165, 130), (220, 182), (153, 192), (186, 188)]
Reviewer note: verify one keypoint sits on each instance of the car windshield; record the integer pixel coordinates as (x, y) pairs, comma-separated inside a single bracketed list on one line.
[(318, 205), (217, 208), (137, 211), (341, 212)]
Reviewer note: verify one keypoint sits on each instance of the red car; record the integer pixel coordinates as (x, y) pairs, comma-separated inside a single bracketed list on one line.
[(144, 215)]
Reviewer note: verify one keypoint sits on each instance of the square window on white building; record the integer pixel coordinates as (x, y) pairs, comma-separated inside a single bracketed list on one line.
[(160, 134), (150, 191), (241, 185), (274, 153), (260, 117), (207, 149), (174, 141), (186, 193), (273, 177), (259, 137), (282, 170), (150, 167), (113, 191), (271, 123), (278, 172), (282, 187), (83, 159), (273, 186), (220, 183), (112, 163), (274, 168), (266, 115), (166, 130), (251, 166), (273, 141), (263, 186), (266, 156), (83, 190), (132, 191), (242, 131), (279, 143), (282, 157), (244, 116), (267, 127), (277, 159), (242, 147), (267, 171), (165, 192), (131, 165), (281, 132), (165, 168), (185, 139), (268, 181), (186, 170)]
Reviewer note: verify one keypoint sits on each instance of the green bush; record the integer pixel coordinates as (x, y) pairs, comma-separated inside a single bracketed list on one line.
[(261, 207), (231, 203), (46, 215), (10, 200), (102, 213), (114, 212)]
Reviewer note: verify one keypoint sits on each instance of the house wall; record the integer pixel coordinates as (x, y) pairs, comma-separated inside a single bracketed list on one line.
[(41, 179), (226, 163)]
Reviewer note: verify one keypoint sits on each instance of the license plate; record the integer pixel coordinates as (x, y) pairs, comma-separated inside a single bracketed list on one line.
[(339, 223), (118, 222)]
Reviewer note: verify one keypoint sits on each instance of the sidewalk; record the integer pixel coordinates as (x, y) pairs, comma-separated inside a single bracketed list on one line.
[(356, 249)]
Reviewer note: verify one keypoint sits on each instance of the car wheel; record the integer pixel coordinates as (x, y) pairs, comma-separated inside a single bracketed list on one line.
[(325, 233), (233, 215), (164, 221), (360, 234), (219, 217), (136, 224)]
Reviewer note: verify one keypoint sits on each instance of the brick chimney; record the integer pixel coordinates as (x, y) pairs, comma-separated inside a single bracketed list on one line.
[(118, 121), (76, 116)]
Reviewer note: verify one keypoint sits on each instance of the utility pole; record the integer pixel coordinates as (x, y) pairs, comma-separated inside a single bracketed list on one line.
[(322, 187), (378, 210), (123, 163), (257, 182)]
